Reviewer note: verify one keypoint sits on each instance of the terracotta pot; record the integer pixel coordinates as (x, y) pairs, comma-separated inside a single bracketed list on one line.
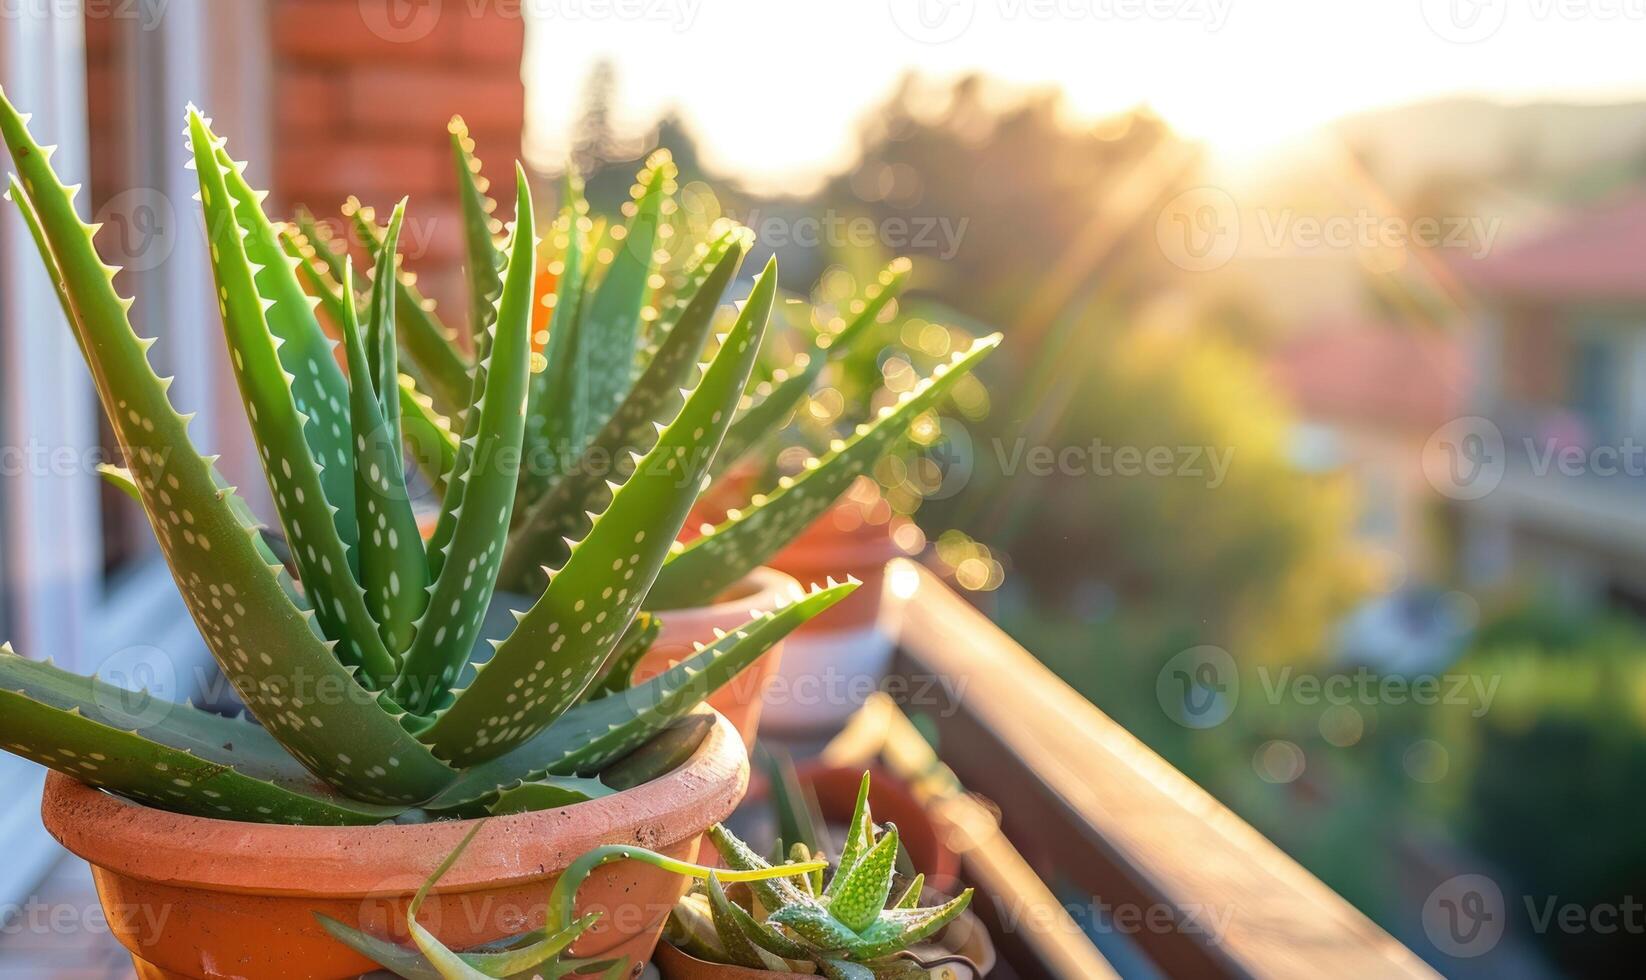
[(846, 540), (677, 965), (741, 700), (198, 898), (837, 660)]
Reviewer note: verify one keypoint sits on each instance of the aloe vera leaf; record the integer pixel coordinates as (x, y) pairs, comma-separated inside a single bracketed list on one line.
[(485, 260), (172, 756), (294, 474), (456, 486), (665, 752), (463, 586), (861, 898), (798, 820), (564, 893), (121, 479), (790, 385), (561, 642), (837, 969), (529, 952), (313, 273), (740, 949), (429, 436), (17, 195), (212, 555), (380, 329), (814, 924), (612, 319), (911, 895), (393, 568), (618, 670), (697, 572), (304, 350), (548, 793), (319, 236), (772, 893), (591, 736), (731, 919), (799, 851), (531, 949), (120, 476), (431, 345), (690, 929), (557, 416), (859, 837), (447, 963), (898, 929), (398, 960), (561, 512)]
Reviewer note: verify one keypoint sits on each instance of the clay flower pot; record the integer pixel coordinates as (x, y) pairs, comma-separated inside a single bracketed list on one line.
[(835, 661), (198, 898), (740, 701)]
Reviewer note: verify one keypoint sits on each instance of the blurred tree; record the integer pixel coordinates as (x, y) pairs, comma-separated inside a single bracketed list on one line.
[(1112, 353), (1005, 182), (1549, 780), (1178, 498)]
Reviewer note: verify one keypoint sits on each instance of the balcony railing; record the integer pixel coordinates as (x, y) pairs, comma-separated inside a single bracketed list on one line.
[(1087, 813)]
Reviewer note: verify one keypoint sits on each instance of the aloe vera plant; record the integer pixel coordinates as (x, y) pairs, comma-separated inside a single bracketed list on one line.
[(620, 348), (540, 953), (848, 927), (379, 686)]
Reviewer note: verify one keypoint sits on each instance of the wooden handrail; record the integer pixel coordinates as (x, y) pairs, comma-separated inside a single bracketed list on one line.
[(1170, 869)]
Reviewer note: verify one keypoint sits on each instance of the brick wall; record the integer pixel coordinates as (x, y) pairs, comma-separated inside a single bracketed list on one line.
[(108, 152), (363, 90), (359, 97)]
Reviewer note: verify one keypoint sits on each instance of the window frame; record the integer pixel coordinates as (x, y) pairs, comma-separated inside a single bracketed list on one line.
[(58, 601)]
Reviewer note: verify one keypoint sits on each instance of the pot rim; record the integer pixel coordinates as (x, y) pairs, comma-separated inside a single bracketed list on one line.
[(760, 589), (142, 842)]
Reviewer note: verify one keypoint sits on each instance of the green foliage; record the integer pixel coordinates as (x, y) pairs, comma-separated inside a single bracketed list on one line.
[(846, 930), (618, 347), (1568, 717), (538, 953), (359, 662)]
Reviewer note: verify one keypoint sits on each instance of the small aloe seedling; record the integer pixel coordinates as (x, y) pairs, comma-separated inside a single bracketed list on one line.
[(381, 687), (540, 953), (850, 928), (619, 347)]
